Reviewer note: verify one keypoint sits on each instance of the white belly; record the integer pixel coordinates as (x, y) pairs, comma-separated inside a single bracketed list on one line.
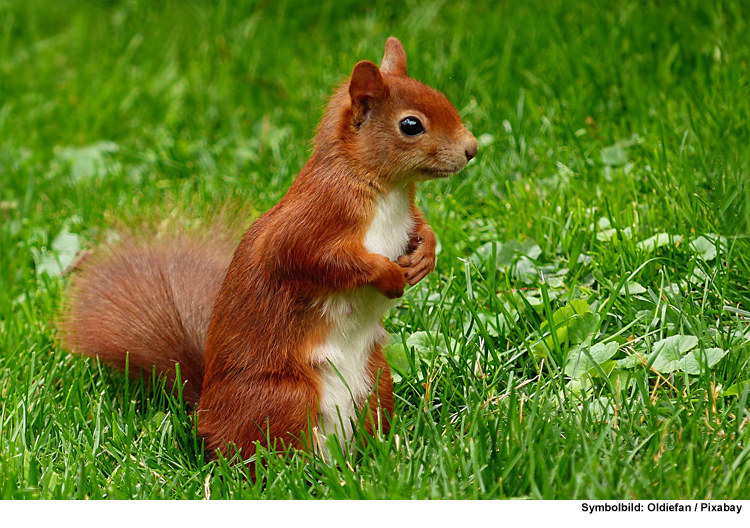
[(355, 324)]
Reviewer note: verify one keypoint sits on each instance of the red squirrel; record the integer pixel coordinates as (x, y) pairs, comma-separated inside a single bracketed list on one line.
[(264, 342)]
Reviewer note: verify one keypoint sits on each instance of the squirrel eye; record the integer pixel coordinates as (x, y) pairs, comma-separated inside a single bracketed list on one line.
[(411, 126)]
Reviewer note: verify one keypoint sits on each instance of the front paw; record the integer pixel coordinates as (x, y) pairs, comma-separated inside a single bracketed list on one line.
[(390, 281), (419, 262)]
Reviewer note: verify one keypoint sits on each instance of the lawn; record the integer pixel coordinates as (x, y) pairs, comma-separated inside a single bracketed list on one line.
[(585, 333)]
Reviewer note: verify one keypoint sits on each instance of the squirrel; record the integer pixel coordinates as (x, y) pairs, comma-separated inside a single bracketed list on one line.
[(287, 339)]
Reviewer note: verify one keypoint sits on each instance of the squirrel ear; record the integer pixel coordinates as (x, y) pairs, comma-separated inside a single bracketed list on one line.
[(366, 86), (394, 59)]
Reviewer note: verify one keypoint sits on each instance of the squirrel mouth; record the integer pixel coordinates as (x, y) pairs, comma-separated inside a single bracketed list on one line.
[(439, 173)]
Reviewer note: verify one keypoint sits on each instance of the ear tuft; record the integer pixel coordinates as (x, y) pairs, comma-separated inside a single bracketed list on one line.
[(394, 59), (366, 86)]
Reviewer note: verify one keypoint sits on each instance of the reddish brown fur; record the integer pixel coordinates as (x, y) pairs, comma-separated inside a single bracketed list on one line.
[(260, 376), (381, 399), (149, 301)]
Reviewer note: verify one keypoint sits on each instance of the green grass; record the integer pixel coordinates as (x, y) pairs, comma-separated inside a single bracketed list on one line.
[(601, 125)]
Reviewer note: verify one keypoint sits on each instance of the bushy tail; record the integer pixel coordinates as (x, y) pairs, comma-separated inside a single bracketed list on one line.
[(149, 301)]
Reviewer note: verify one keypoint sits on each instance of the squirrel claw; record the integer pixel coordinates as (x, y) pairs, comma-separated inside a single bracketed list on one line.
[(414, 243)]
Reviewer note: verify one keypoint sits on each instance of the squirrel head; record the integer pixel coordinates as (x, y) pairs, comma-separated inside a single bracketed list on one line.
[(394, 127)]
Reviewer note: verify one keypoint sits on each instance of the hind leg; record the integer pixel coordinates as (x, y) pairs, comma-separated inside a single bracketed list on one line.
[(380, 400)]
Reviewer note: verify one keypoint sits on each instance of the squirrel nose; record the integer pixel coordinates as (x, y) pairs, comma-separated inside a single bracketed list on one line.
[(471, 148)]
